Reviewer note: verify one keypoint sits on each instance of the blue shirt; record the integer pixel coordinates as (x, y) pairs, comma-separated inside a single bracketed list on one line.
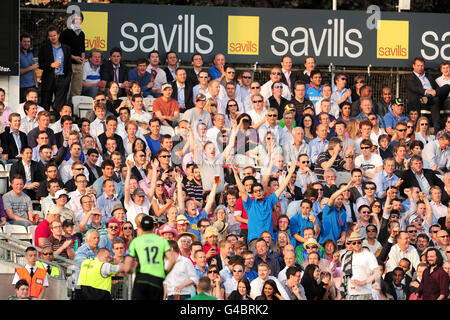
[(251, 275), (194, 220), (26, 60), (313, 94), (105, 242), (214, 72), (333, 223), (84, 252), (317, 146), (143, 81), (199, 272), (390, 120), (154, 145), (98, 187), (298, 224), (58, 55), (362, 117), (383, 181), (260, 216)]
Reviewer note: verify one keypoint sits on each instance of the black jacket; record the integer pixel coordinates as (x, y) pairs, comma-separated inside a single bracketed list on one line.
[(415, 90), (9, 145), (46, 59), (169, 76), (409, 180), (292, 77), (191, 77), (107, 74), (135, 172), (392, 292), (188, 100), (102, 138), (91, 177), (18, 169)]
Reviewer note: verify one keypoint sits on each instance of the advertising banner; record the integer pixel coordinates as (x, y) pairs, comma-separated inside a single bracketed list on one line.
[(249, 35)]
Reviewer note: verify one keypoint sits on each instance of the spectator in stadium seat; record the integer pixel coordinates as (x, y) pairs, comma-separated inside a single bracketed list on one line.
[(13, 141), (30, 95), (142, 76), (366, 107), (43, 125), (59, 244), (266, 88), (158, 75), (43, 230), (91, 82), (29, 122), (394, 115), (166, 108), (384, 105), (217, 70), (170, 70), (29, 171), (182, 91), (114, 70), (310, 65), (444, 83)]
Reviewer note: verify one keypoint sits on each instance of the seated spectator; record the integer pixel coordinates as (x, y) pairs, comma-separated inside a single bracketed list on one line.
[(29, 122), (13, 141), (333, 108), (91, 74), (142, 76), (437, 153), (198, 114), (98, 126), (59, 244), (369, 162), (139, 114), (331, 159), (17, 204)]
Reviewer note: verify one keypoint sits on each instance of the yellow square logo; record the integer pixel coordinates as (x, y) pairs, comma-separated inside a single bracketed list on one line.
[(95, 27), (243, 35), (393, 39)]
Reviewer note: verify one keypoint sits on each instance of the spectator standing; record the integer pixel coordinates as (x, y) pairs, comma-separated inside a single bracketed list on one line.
[(28, 66)]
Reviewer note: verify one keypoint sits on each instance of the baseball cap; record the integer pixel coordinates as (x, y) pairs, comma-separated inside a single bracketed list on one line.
[(61, 192), (200, 97), (54, 210), (165, 86), (67, 222), (147, 223), (289, 107), (139, 192), (399, 101)]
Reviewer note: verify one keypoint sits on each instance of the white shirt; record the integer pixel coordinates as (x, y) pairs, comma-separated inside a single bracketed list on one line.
[(160, 78), (441, 81), (26, 124), (374, 137), (257, 117), (369, 166), (258, 284), (27, 168), (363, 264), (334, 111), (230, 285), (133, 210), (75, 205), (266, 90), (56, 127), (439, 211), (22, 112), (65, 171), (97, 127), (396, 254), (182, 271)]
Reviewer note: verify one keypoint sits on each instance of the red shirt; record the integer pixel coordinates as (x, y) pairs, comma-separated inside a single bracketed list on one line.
[(433, 284), (42, 231), (240, 208)]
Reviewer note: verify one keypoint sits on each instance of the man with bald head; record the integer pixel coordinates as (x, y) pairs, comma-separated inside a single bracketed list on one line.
[(319, 143), (297, 146), (217, 71), (290, 260)]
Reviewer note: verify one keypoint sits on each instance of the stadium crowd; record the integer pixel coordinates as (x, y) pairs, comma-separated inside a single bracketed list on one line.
[(288, 189)]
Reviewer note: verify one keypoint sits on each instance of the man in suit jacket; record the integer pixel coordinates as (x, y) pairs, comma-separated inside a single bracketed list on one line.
[(422, 91), (179, 85), (28, 170), (95, 171), (171, 59), (55, 59), (427, 178), (287, 76), (310, 65), (113, 70), (12, 140), (396, 286), (192, 74)]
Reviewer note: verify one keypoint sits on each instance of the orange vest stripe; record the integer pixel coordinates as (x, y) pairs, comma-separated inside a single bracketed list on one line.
[(37, 283)]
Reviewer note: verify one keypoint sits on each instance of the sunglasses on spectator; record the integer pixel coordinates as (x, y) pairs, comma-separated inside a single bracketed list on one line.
[(97, 100), (311, 247), (165, 156), (370, 188), (238, 270), (213, 271), (128, 228), (159, 184), (246, 77), (232, 105), (424, 124), (371, 230), (307, 161), (343, 78), (47, 253), (203, 77), (257, 101), (231, 72), (412, 231), (277, 87), (276, 73), (114, 227), (401, 130), (435, 231), (364, 148), (272, 115), (356, 242), (372, 119), (255, 87)]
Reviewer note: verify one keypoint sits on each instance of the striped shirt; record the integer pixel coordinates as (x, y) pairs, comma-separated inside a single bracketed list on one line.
[(194, 190)]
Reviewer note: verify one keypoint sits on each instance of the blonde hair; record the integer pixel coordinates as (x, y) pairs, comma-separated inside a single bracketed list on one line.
[(418, 125), (353, 128)]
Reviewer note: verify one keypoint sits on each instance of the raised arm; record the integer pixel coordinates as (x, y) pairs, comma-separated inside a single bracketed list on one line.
[(339, 192), (180, 200), (126, 187), (428, 210), (210, 198), (286, 180), (230, 144), (239, 184)]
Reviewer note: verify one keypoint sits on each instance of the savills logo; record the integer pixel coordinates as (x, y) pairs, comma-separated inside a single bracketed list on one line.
[(243, 35), (393, 39), (95, 27)]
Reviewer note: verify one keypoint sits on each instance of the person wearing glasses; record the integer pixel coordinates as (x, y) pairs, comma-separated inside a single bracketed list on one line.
[(244, 88), (360, 269), (257, 111), (369, 162), (231, 284), (59, 244), (106, 241), (47, 254), (299, 100), (340, 91), (276, 100), (402, 249), (394, 115), (266, 88), (202, 84), (255, 88)]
